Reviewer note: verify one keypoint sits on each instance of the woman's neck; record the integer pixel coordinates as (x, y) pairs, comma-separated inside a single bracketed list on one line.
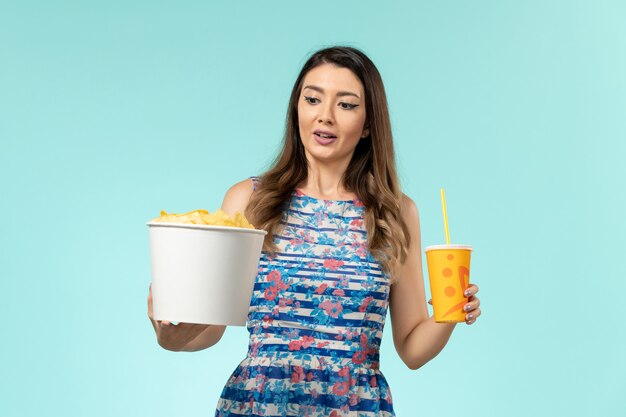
[(326, 182)]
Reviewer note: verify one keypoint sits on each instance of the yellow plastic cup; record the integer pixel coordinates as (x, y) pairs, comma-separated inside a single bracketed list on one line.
[(448, 273)]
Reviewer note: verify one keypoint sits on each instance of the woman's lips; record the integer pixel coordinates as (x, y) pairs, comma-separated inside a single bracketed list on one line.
[(324, 141)]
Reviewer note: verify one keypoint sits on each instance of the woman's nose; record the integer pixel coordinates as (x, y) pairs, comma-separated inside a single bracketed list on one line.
[(326, 114)]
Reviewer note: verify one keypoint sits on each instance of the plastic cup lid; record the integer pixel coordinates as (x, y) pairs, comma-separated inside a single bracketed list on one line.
[(447, 247)]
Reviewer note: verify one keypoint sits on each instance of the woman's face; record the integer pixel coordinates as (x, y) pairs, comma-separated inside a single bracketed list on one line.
[(331, 113)]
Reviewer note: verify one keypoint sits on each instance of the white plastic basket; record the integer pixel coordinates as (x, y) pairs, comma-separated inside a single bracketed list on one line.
[(203, 274)]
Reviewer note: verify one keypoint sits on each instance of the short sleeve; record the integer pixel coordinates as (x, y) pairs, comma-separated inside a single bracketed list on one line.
[(255, 183)]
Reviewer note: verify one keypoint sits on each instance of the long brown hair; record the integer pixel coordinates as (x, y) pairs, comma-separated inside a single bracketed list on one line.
[(371, 174)]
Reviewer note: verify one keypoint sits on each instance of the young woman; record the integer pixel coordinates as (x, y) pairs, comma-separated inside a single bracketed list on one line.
[(343, 245)]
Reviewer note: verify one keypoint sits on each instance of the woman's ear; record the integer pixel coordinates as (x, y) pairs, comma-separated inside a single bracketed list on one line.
[(366, 132)]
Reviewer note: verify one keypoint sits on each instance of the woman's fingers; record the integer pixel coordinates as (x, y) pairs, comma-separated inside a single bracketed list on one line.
[(179, 335), (471, 317), (473, 304), (473, 310), (471, 290), (150, 302), (472, 307), (174, 336)]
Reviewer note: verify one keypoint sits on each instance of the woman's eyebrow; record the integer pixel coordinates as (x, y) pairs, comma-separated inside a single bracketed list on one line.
[(339, 93)]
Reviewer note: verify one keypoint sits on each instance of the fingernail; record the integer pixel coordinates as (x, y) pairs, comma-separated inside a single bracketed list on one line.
[(470, 316), (468, 293), (467, 307)]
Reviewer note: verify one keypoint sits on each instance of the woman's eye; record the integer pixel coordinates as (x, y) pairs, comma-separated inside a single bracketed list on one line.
[(348, 106), (311, 100)]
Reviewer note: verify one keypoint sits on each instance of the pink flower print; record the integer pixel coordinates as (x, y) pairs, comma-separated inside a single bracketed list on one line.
[(366, 302), (359, 357), (389, 400), (364, 342), (341, 388), (373, 383), (260, 383), (285, 302), (334, 414), (310, 376), (314, 393), (356, 223), (271, 292), (320, 290), (339, 337), (307, 341), (354, 399), (339, 293), (361, 250), (255, 349), (296, 242), (345, 371), (332, 264), (295, 345), (332, 309), (322, 344), (277, 285), (307, 410), (358, 203), (273, 276), (297, 375), (343, 281)]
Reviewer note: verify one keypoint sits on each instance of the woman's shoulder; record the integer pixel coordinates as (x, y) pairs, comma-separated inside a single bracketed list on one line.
[(237, 197), (409, 210)]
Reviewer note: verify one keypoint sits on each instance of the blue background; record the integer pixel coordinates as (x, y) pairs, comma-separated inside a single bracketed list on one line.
[(112, 111)]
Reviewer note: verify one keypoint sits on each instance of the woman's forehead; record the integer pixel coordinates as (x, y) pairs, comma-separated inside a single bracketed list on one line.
[(330, 79)]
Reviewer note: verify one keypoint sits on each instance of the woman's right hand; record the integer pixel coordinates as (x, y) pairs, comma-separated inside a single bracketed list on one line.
[(174, 336)]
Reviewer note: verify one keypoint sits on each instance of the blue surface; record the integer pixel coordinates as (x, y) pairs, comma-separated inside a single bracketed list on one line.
[(113, 111)]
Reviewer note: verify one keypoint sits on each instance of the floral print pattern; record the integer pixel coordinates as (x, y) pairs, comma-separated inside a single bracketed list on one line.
[(316, 321)]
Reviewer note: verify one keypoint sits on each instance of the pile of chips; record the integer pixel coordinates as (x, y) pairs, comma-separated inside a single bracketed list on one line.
[(219, 218)]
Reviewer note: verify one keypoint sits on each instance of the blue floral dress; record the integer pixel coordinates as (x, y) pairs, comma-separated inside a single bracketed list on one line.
[(316, 321)]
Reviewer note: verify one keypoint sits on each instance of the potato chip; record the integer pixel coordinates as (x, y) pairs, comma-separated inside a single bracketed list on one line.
[(219, 218)]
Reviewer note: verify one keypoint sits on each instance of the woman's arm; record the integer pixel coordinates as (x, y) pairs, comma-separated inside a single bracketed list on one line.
[(189, 337), (417, 337)]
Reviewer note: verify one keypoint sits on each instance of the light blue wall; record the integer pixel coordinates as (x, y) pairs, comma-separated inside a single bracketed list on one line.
[(112, 111)]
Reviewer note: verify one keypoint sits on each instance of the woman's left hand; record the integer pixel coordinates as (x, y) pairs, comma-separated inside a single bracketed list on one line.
[(472, 308)]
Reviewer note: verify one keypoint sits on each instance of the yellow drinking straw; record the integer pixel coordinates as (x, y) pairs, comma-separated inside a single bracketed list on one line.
[(445, 216)]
